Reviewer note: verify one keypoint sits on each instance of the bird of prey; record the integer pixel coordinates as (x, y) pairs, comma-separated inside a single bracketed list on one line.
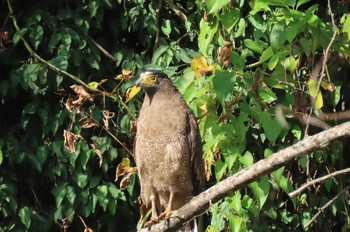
[(168, 149)]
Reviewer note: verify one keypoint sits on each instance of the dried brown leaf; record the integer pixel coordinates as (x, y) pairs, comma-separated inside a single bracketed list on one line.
[(106, 116), (69, 140), (80, 91), (124, 168), (98, 153), (125, 181), (87, 123), (133, 126), (224, 54), (69, 104)]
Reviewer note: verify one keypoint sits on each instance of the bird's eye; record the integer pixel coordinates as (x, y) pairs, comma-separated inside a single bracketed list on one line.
[(153, 78)]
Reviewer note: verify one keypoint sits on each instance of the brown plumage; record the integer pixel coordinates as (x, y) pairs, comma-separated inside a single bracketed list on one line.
[(168, 150)]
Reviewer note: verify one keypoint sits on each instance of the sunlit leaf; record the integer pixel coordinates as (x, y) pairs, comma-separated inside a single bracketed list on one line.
[(25, 214), (200, 66), (131, 92), (317, 97), (206, 34)]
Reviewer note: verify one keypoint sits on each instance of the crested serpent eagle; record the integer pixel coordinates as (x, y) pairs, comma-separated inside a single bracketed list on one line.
[(168, 149)]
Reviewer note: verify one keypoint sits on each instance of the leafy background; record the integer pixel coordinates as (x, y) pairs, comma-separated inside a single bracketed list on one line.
[(255, 57)]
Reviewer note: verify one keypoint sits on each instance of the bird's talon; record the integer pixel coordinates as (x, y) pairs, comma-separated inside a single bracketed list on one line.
[(151, 222), (166, 214)]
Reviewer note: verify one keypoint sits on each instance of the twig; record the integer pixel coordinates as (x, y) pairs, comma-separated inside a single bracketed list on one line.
[(176, 10), (201, 203), (315, 181), (33, 53), (156, 41), (324, 63), (104, 51), (329, 203)]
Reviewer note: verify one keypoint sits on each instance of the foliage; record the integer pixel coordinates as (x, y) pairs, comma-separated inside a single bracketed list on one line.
[(236, 63)]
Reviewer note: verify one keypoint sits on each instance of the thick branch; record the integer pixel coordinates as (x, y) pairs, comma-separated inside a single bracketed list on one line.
[(201, 203)]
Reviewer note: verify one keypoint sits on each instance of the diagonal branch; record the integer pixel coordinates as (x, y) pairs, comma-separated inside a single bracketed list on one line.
[(36, 56), (202, 202), (329, 203), (318, 180)]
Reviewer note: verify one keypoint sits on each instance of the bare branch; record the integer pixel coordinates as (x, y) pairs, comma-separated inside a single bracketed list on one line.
[(201, 203), (324, 62), (176, 10), (329, 203), (318, 180), (104, 51)]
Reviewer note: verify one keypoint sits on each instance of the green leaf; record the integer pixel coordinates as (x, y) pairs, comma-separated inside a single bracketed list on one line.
[(294, 29), (273, 61), (301, 2), (241, 28), (213, 6), (16, 36), (113, 190), (94, 181), (112, 206), (1, 158), (206, 34), (101, 195), (59, 62), (267, 95), (220, 169), (25, 214), (166, 27), (266, 54), (36, 35), (229, 18), (70, 195), (256, 46), (271, 127), (237, 202), (345, 20), (158, 53), (247, 159), (278, 36), (261, 190), (82, 180), (223, 83)]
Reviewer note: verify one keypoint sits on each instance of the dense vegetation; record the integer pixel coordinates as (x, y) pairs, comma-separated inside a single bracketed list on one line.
[(252, 71)]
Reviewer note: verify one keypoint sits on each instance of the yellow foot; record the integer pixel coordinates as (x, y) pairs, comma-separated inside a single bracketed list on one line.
[(166, 214), (151, 222)]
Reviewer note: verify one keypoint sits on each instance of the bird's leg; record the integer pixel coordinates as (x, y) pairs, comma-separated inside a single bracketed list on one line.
[(154, 218), (168, 211)]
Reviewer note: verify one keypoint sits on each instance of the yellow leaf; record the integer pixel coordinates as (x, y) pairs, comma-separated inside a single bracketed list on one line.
[(326, 84), (200, 66), (94, 85), (131, 92), (317, 97), (126, 74)]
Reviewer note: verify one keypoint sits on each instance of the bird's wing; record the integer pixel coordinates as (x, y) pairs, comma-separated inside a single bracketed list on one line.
[(195, 145)]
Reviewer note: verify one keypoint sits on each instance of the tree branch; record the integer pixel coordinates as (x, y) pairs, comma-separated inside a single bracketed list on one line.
[(201, 203), (33, 53), (329, 203), (315, 181), (176, 10)]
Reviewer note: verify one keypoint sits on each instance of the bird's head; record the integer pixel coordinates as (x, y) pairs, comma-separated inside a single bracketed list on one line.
[(150, 79)]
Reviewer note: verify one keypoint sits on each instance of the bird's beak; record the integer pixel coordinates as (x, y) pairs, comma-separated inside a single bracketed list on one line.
[(139, 82)]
